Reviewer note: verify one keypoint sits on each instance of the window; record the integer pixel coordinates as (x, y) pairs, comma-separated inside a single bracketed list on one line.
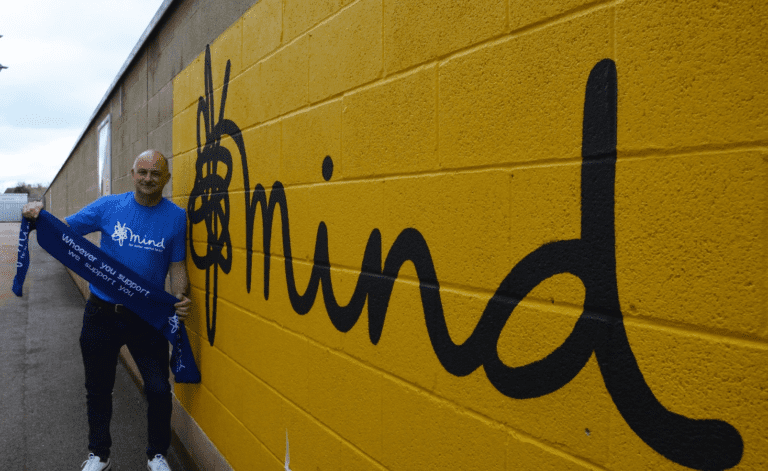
[(105, 158)]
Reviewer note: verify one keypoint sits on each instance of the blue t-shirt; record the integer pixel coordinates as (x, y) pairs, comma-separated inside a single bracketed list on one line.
[(144, 238)]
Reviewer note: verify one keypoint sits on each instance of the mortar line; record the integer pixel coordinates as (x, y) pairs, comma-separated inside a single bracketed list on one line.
[(705, 149), (593, 6), (533, 164), (303, 33), (571, 309), (564, 17), (383, 72), (282, 396), (516, 433), (223, 406), (680, 329), (437, 117), (614, 36)]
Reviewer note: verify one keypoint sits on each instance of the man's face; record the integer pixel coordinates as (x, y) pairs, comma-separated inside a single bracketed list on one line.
[(150, 174)]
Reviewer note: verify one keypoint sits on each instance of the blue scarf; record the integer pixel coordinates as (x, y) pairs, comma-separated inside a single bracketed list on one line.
[(22, 259), (150, 302)]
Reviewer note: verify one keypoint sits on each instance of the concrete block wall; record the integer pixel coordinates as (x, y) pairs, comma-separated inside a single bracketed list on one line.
[(77, 184), (531, 285)]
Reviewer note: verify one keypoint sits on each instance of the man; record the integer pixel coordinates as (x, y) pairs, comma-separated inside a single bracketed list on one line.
[(146, 232)]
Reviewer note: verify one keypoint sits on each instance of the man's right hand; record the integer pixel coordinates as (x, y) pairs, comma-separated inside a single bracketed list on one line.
[(32, 210)]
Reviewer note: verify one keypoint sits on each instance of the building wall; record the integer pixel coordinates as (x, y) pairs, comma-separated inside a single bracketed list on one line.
[(76, 185), (544, 224), (11, 205)]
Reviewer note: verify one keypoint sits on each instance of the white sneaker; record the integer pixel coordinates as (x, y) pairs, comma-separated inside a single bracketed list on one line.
[(94, 463), (158, 463)]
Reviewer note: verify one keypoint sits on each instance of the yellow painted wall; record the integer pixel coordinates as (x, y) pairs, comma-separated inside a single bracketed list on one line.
[(588, 178)]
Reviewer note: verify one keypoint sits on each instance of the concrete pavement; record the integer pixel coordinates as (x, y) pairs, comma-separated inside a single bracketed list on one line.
[(43, 423)]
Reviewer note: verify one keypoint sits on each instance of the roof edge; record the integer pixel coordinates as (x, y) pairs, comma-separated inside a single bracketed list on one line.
[(153, 24)]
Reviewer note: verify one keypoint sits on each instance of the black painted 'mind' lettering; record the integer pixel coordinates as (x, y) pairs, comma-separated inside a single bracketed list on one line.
[(698, 444), (210, 190)]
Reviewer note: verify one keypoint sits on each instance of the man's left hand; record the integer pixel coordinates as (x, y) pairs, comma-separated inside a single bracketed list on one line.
[(182, 307)]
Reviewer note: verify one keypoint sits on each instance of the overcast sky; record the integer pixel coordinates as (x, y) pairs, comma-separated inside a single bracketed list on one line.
[(62, 57)]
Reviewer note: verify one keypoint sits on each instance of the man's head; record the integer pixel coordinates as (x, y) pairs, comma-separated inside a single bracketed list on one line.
[(150, 174)]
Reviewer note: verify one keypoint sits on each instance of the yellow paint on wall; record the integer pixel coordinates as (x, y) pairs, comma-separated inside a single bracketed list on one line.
[(300, 16), (307, 138), (417, 32), (694, 83), (521, 99), (365, 123), (690, 236), (345, 51), (262, 26), (701, 376), (230, 45), (402, 135), (282, 83)]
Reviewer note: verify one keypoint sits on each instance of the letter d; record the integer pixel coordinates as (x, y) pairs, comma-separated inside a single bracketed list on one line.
[(698, 444), (591, 258)]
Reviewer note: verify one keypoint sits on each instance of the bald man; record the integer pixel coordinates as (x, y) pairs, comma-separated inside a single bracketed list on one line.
[(147, 233)]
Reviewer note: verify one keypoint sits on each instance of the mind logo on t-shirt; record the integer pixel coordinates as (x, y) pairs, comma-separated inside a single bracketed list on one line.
[(123, 233)]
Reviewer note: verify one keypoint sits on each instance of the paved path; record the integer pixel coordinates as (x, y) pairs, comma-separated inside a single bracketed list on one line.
[(43, 423)]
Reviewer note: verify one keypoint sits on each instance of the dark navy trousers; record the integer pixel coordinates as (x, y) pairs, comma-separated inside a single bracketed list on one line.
[(104, 332)]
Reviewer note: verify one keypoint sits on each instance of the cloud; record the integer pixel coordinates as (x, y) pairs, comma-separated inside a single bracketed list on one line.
[(37, 161), (62, 57)]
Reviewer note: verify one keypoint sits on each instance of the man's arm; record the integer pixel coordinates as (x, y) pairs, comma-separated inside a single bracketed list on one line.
[(179, 286), (32, 210)]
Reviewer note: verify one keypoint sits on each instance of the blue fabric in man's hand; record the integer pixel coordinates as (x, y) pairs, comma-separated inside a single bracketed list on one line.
[(22, 260), (148, 301)]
